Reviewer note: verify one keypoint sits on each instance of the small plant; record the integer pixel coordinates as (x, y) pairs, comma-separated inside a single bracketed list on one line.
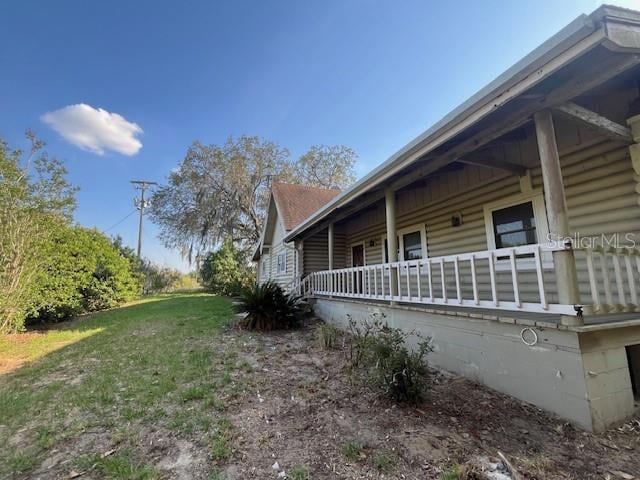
[(196, 392), (221, 440), (119, 465), (268, 307), (298, 473), (351, 449), (327, 335), (453, 473), (45, 437), (21, 462), (388, 364), (383, 462)]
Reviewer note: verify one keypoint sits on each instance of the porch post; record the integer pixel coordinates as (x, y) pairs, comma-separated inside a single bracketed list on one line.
[(392, 237), (556, 204), (330, 242), (634, 148)]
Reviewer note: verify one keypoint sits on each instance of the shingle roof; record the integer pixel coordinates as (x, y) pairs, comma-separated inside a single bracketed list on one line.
[(297, 202)]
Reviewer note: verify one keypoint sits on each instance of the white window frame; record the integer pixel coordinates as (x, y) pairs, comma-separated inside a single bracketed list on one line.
[(401, 232), (364, 251), (281, 271), (536, 197)]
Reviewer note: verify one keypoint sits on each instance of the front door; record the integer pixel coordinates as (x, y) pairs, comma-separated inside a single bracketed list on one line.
[(357, 260)]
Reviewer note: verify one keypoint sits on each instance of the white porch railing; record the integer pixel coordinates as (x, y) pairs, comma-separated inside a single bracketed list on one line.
[(613, 278), (503, 279), (517, 279)]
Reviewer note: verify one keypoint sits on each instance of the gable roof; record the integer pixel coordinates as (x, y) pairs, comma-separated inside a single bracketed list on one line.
[(295, 203)]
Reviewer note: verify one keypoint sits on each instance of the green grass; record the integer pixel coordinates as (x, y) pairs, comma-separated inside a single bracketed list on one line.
[(452, 473), (221, 447), (298, 472), (118, 466), (351, 449), (384, 461), (152, 361)]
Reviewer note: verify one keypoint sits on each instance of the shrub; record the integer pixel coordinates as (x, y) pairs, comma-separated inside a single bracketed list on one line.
[(389, 366), (82, 270), (327, 335), (268, 307), (225, 271)]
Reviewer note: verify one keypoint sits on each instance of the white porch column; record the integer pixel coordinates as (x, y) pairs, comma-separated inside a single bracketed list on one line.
[(392, 237), (330, 242), (634, 148), (556, 204)]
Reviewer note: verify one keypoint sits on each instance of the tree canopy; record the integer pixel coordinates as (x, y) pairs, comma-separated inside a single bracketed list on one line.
[(220, 192)]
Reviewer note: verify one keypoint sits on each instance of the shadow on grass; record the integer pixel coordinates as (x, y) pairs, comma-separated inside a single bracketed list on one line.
[(103, 368), (20, 349)]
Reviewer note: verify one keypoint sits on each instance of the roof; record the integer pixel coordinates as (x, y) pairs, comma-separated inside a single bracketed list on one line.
[(295, 203), (470, 112)]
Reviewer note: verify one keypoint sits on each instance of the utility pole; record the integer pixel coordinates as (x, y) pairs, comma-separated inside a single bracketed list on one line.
[(141, 204)]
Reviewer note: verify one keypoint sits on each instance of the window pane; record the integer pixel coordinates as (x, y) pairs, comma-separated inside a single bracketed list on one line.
[(514, 226), (412, 246)]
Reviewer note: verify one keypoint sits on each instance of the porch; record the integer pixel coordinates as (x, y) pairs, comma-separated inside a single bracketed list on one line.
[(506, 283)]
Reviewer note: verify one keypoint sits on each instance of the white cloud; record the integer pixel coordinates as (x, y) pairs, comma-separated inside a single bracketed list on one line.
[(94, 129)]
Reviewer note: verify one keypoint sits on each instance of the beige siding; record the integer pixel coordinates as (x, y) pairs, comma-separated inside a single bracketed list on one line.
[(315, 253), (602, 197), (277, 247)]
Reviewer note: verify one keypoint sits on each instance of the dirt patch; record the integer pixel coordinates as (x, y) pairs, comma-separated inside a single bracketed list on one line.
[(303, 409), (292, 412)]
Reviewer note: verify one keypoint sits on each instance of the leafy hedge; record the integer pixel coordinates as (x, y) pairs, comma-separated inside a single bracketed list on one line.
[(50, 268), (82, 271)]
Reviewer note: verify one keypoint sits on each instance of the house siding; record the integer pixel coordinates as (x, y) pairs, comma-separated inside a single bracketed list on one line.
[(602, 198)]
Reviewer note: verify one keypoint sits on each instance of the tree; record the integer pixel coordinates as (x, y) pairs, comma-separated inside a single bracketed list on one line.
[(326, 166), (35, 198), (221, 191), (225, 271), (218, 191)]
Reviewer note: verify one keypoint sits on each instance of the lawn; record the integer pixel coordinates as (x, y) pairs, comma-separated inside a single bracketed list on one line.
[(169, 388), (80, 396)]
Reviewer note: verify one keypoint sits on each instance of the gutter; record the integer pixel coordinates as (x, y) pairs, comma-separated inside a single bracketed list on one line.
[(488, 99)]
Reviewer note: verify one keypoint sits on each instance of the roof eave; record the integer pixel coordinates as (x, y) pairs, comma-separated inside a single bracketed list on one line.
[(578, 30)]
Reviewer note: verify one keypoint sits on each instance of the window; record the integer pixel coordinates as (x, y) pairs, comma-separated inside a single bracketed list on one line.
[(517, 220), (515, 225), (282, 262), (412, 244), (264, 268)]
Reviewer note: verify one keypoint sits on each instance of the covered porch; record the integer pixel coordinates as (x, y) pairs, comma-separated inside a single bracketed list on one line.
[(533, 210)]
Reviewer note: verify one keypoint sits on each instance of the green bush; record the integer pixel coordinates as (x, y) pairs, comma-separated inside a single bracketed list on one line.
[(51, 269), (268, 307), (389, 366), (225, 271), (82, 271)]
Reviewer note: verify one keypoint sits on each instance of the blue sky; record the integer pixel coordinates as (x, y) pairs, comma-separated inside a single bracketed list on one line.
[(368, 74)]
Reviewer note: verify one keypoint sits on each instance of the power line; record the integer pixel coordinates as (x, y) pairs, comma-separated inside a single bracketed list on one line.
[(120, 221)]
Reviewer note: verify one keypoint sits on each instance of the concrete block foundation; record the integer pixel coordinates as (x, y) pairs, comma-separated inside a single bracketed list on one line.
[(581, 374)]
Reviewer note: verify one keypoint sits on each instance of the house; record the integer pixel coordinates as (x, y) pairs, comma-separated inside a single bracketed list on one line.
[(509, 231), (288, 206)]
